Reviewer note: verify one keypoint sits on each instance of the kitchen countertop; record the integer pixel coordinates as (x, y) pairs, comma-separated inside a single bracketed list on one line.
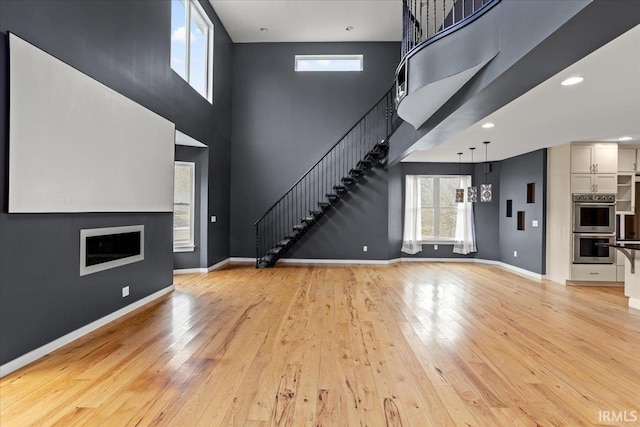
[(631, 280)]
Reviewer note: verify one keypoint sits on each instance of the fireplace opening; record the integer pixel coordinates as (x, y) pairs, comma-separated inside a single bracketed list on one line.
[(105, 248)]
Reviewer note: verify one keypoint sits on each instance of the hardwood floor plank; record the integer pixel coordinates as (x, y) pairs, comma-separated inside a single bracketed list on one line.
[(419, 344)]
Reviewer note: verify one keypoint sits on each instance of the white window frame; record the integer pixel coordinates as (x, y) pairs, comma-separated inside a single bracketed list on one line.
[(359, 57), (190, 246), (436, 207), (209, 46)]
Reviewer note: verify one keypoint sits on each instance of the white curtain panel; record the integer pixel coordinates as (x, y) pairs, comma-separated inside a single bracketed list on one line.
[(465, 241), (411, 240)]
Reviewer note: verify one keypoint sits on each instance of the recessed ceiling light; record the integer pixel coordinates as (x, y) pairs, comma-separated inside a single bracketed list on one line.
[(625, 138), (488, 125), (572, 81), (349, 28), (264, 29)]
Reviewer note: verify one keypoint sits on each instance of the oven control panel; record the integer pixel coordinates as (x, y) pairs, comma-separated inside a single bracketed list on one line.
[(597, 198)]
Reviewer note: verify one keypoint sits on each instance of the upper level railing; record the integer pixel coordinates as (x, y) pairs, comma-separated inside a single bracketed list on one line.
[(425, 19)]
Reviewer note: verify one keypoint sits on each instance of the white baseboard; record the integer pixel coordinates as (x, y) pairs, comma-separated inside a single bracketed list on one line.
[(39, 352), (214, 267), (634, 303), (190, 271), (218, 265), (240, 260), (522, 271)]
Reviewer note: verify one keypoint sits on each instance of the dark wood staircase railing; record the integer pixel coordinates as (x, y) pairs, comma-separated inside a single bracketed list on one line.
[(322, 187)]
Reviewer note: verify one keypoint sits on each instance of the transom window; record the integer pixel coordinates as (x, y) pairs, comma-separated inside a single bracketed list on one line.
[(438, 207), (184, 206), (329, 63), (192, 57)]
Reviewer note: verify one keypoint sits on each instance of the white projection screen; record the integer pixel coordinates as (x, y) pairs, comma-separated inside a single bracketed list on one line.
[(76, 145)]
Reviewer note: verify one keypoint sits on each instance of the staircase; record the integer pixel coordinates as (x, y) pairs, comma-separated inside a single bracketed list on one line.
[(319, 190)]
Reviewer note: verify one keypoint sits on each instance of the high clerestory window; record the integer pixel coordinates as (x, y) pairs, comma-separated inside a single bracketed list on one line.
[(192, 56), (305, 63)]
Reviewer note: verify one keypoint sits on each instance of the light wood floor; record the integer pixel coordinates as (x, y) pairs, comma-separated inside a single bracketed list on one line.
[(407, 344)]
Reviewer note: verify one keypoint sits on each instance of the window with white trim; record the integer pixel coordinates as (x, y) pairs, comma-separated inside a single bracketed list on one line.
[(438, 207), (329, 63), (184, 206), (192, 57)]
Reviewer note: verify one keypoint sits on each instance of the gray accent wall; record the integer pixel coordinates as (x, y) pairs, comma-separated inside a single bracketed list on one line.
[(486, 223), (284, 121), (515, 174), (496, 235), (42, 296)]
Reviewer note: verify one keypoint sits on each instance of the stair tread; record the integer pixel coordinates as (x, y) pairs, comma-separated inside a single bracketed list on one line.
[(356, 171), (315, 213), (339, 187), (284, 242)]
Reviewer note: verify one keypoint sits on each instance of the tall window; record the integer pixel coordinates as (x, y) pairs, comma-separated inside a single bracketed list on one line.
[(438, 207), (184, 206), (192, 57)]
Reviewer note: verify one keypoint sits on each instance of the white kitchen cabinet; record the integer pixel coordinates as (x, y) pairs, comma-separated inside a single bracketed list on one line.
[(626, 194), (594, 272), (581, 158), (594, 183), (606, 158), (627, 160), (594, 158)]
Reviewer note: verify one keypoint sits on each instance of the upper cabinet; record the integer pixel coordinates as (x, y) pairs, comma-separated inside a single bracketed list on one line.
[(581, 158), (627, 160), (594, 183), (598, 158)]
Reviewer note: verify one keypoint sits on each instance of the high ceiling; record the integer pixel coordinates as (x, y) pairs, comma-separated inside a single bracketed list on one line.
[(310, 20), (604, 107)]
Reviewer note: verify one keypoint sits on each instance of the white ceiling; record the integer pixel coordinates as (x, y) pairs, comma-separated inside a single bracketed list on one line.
[(604, 107), (310, 20)]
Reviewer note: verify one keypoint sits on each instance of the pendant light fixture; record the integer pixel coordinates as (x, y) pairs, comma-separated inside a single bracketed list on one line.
[(460, 191), (485, 189), (472, 192)]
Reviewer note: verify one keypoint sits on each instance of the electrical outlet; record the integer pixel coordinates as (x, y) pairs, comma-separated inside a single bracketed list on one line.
[(435, 247), (515, 254), (534, 223), (125, 291), (365, 248), (213, 218)]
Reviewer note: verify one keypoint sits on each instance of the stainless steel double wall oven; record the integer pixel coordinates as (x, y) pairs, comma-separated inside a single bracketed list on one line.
[(594, 221)]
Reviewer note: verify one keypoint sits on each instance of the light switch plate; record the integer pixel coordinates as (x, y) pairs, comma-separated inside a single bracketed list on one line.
[(365, 248), (125, 291), (213, 218), (534, 223)]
